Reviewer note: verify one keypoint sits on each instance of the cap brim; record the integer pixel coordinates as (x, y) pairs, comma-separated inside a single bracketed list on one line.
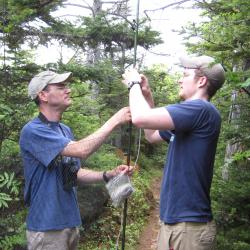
[(189, 62), (196, 62), (60, 78)]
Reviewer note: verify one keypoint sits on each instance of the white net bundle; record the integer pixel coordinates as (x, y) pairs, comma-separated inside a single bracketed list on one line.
[(119, 188)]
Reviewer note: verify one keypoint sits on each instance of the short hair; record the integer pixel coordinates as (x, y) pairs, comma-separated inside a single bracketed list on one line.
[(212, 86)]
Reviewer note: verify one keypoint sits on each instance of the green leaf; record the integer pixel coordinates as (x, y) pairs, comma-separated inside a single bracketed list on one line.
[(246, 83)]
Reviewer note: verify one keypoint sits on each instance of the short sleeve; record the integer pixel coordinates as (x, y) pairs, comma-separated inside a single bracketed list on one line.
[(165, 135), (187, 115), (42, 142)]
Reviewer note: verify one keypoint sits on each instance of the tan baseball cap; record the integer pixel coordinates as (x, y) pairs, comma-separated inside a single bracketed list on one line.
[(41, 80), (212, 70)]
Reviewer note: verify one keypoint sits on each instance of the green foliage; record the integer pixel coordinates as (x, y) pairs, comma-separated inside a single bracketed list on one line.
[(9, 188), (246, 83), (4, 199), (10, 242), (16, 22), (239, 156), (230, 192), (109, 30), (226, 34), (163, 84), (104, 159), (14, 228), (9, 152), (14, 104)]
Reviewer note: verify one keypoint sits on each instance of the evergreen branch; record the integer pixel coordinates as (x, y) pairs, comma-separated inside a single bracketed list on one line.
[(45, 2)]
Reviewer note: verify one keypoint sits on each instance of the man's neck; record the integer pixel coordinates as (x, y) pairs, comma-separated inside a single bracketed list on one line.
[(51, 116), (200, 96)]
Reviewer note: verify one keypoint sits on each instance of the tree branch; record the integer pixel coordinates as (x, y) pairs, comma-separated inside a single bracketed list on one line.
[(158, 53), (125, 18), (68, 15), (78, 5), (123, 1), (167, 6), (44, 3)]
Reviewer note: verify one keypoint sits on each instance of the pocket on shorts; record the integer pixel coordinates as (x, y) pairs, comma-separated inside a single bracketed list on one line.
[(208, 235), (35, 240)]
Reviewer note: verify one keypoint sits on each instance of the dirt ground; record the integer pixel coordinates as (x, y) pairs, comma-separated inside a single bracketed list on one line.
[(148, 237)]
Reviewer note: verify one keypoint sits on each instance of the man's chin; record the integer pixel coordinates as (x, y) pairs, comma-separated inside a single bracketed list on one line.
[(181, 97), (69, 102)]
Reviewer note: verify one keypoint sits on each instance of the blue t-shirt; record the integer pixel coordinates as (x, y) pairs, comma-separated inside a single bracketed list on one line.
[(51, 207), (188, 171)]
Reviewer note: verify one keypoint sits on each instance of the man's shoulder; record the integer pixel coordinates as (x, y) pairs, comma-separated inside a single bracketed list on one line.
[(32, 124), (192, 105), (200, 104), (196, 102), (32, 127)]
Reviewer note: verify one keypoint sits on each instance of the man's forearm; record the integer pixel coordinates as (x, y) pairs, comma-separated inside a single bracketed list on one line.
[(138, 103), (89, 176), (86, 146)]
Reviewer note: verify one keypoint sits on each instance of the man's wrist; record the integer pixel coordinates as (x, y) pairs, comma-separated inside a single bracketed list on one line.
[(105, 177), (132, 83)]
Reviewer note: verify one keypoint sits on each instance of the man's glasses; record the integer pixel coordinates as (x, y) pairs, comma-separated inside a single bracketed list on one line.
[(60, 86)]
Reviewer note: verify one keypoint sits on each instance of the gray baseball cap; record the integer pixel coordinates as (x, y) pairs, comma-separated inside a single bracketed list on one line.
[(212, 70), (41, 80)]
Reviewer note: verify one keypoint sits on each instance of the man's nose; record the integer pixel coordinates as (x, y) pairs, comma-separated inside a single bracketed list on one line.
[(180, 80), (68, 90)]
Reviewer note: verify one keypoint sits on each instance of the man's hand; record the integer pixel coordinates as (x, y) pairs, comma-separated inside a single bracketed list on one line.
[(146, 91), (130, 76), (124, 169), (123, 115), (145, 85)]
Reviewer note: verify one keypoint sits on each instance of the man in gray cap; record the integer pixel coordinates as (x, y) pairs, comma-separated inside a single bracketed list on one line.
[(191, 128), (51, 160)]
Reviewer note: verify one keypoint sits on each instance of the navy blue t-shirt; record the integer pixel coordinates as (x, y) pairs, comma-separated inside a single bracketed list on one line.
[(188, 171), (50, 206)]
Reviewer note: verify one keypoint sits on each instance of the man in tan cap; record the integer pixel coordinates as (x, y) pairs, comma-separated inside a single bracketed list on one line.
[(51, 160), (192, 129)]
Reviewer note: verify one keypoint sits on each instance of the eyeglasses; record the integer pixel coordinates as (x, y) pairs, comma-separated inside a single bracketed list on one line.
[(60, 86)]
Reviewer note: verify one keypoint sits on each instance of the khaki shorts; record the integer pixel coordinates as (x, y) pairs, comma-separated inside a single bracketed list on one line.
[(187, 236), (66, 239)]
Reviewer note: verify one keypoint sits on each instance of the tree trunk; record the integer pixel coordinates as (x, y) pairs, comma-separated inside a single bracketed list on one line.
[(234, 115)]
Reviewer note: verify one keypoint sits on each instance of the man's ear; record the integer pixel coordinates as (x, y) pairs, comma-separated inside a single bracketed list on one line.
[(202, 81), (42, 96)]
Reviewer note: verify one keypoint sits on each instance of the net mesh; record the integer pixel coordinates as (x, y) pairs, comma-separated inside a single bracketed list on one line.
[(119, 188)]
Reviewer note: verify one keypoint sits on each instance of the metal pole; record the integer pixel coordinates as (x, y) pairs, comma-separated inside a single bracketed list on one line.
[(136, 32), (125, 206)]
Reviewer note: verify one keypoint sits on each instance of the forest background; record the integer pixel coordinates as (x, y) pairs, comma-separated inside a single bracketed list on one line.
[(103, 45)]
